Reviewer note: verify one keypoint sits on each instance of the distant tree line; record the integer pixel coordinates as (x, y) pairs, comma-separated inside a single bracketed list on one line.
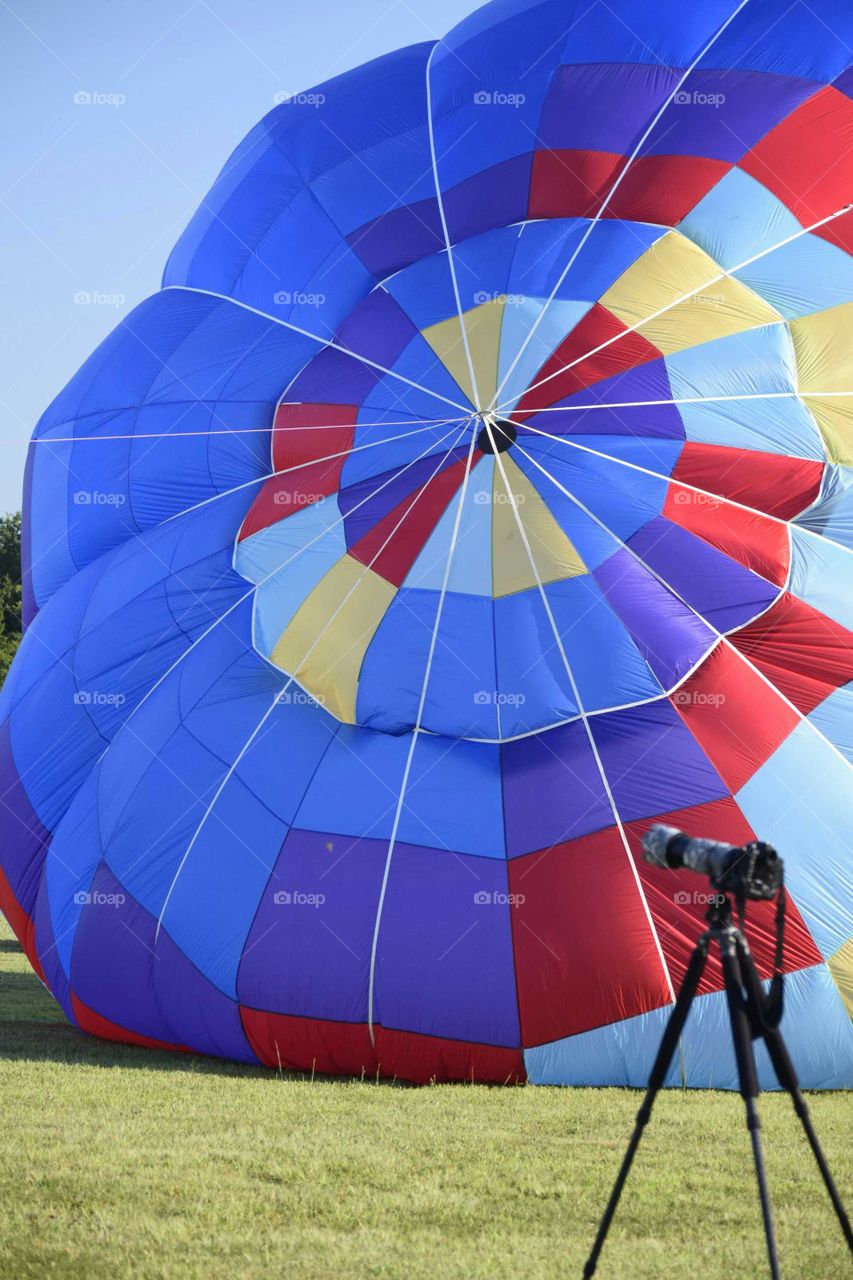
[(10, 589)]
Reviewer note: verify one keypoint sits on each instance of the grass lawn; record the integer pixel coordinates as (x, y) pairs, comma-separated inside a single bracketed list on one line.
[(118, 1162)]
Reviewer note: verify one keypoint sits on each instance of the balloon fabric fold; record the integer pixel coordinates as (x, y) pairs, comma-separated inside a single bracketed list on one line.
[(476, 491)]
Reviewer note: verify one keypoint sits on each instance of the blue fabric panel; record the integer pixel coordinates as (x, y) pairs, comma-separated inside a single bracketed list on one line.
[(801, 801), (834, 718), (461, 695)]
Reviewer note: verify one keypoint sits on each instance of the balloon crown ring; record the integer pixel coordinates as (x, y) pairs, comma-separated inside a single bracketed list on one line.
[(496, 435)]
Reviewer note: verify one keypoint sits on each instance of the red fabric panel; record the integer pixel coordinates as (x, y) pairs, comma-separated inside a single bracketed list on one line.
[(734, 715), (300, 1044), (598, 326), (678, 900), (398, 557), (782, 487), (344, 1049), (802, 652), (22, 926), (331, 428), (660, 189), (285, 495), (92, 1022), (584, 951), (424, 1059), (571, 184), (759, 543), (805, 162)]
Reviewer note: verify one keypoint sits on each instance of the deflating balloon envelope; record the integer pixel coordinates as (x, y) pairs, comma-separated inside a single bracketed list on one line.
[(474, 493)]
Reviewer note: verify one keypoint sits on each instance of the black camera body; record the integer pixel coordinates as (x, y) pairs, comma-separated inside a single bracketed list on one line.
[(751, 872)]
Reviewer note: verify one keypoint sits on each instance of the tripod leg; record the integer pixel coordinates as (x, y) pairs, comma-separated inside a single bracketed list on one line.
[(748, 1079), (668, 1045), (787, 1077)]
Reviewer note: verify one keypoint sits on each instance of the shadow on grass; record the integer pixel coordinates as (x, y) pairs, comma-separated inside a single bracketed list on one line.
[(33, 1028)]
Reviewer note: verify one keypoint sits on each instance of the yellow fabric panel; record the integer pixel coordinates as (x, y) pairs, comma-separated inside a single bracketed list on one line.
[(672, 267), (840, 965), (554, 555), (483, 327), (331, 669), (823, 346), (835, 421)]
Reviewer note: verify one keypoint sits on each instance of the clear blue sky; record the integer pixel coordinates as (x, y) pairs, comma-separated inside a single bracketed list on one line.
[(93, 194)]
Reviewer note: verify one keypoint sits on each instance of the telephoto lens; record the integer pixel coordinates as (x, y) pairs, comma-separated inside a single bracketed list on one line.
[(750, 871)]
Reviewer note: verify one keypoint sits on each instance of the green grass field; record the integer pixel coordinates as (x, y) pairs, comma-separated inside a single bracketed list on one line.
[(118, 1162)]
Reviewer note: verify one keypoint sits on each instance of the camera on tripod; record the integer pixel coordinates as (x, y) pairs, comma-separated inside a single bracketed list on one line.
[(750, 872)]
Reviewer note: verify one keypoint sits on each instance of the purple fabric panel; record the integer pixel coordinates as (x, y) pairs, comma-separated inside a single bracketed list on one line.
[(652, 761), (645, 382), (668, 635), (397, 239), (445, 959), (406, 485), (721, 114), (495, 198), (333, 377), (308, 951), (573, 117), (552, 790), (149, 987), (23, 839), (48, 954), (378, 329), (718, 588), (844, 82)]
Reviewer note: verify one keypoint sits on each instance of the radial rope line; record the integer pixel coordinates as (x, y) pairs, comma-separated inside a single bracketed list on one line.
[(240, 431), (415, 733), (585, 719), (323, 342), (725, 274), (279, 694), (300, 466), (685, 484), (442, 215), (261, 582), (651, 404), (721, 635), (611, 193)]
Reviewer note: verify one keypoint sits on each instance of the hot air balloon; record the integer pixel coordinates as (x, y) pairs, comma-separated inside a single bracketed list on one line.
[(475, 492)]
